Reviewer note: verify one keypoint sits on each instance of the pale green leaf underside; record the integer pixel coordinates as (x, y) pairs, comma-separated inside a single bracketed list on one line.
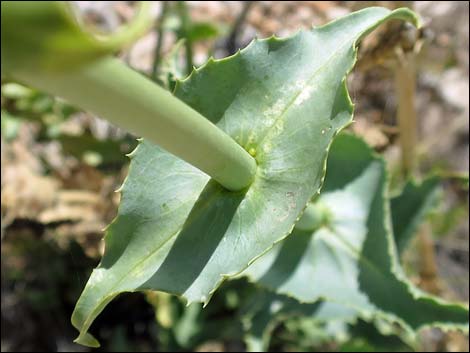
[(180, 232), (353, 260)]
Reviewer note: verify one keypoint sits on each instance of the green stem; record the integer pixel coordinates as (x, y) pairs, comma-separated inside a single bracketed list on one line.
[(184, 33), (315, 215), (115, 92), (158, 47)]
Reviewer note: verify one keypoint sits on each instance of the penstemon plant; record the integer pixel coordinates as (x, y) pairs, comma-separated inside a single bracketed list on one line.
[(225, 182)]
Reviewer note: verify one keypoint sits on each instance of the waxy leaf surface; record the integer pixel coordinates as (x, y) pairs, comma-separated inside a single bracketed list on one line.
[(177, 230), (350, 257)]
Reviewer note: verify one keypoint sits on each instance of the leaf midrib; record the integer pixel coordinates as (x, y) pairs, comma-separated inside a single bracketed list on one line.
[(296, 95)]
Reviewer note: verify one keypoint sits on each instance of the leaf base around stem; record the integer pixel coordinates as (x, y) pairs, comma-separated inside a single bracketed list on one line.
[(179, 232)]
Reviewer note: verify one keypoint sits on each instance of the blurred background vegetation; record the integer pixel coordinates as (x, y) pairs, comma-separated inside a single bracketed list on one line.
[(61, 166)]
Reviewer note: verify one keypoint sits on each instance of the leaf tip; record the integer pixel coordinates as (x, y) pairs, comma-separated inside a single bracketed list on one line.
[(86, 339)]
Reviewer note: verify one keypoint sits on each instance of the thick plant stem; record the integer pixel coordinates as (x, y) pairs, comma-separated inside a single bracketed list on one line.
[(405, 87), (115, 92)]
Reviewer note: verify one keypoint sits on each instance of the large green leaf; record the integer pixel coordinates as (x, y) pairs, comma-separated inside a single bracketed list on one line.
[(349, 256), (177, 231)]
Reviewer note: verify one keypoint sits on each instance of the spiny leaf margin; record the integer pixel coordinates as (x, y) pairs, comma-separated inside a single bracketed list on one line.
[(85, 312), (253, 274)]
